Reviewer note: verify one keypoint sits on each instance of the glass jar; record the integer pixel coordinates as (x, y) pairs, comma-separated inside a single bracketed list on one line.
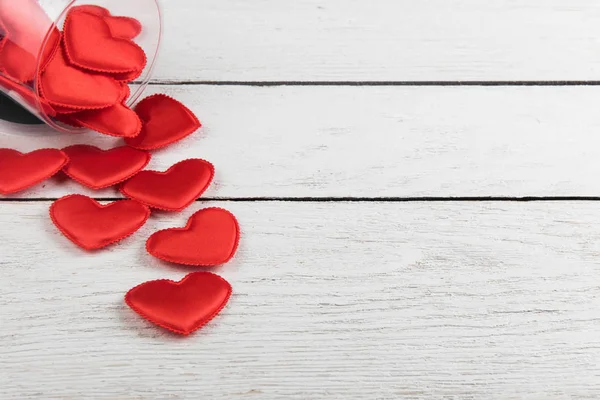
[(29, 30)]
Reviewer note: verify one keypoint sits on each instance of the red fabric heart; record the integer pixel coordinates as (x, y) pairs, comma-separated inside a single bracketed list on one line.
[(117, 120), (165, 121), (20, 171), (99, 169), (120, 27), (172, 190), (181, 307), (91, 225), (66, 86), (210, 238), (91, 45)]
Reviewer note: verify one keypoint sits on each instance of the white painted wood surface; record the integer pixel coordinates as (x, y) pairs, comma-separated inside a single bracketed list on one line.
[(376, 141), (420, 300), (400, 40), (331, 300)]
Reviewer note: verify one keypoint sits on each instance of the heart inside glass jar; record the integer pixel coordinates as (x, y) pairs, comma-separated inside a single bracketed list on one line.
[(54, 61)]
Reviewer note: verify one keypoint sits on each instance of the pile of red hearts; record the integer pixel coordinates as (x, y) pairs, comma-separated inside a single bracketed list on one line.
[(84, 70), (88, 88)]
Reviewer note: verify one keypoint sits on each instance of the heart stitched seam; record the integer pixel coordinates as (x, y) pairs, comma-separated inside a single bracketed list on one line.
[(128, 44)]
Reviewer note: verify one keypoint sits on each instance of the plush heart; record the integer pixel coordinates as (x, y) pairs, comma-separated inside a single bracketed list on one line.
[(20, 171), (117, 120), (86, 33), (20, 64), (99, 169), (91, 225), (172, 190), (210, 238), (67, 86), (120, 27), (165, 121), (181, 307)]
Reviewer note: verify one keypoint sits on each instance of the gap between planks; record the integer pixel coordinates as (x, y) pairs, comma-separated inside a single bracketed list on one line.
[(525, 199), (373, 83)]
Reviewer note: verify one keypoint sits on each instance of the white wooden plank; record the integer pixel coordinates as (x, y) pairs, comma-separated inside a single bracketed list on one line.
[(345, 300), (402, 40), (376, 141)]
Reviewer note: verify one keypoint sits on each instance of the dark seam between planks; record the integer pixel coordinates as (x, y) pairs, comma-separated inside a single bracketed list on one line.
[(355, 199), (374, 83)]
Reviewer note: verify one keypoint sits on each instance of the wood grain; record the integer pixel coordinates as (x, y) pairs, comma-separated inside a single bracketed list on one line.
[(343, 300), (331, 300), (374, 141), (365, 40)]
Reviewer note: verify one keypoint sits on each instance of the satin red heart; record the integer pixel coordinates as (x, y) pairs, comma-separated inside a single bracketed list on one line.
[(117, 120), (165, 121), (172, 190), (181, 307), (93, 226), (20, 171), (210, 238), (85, 34), (99, 169), (120, 27), (67, 86)]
